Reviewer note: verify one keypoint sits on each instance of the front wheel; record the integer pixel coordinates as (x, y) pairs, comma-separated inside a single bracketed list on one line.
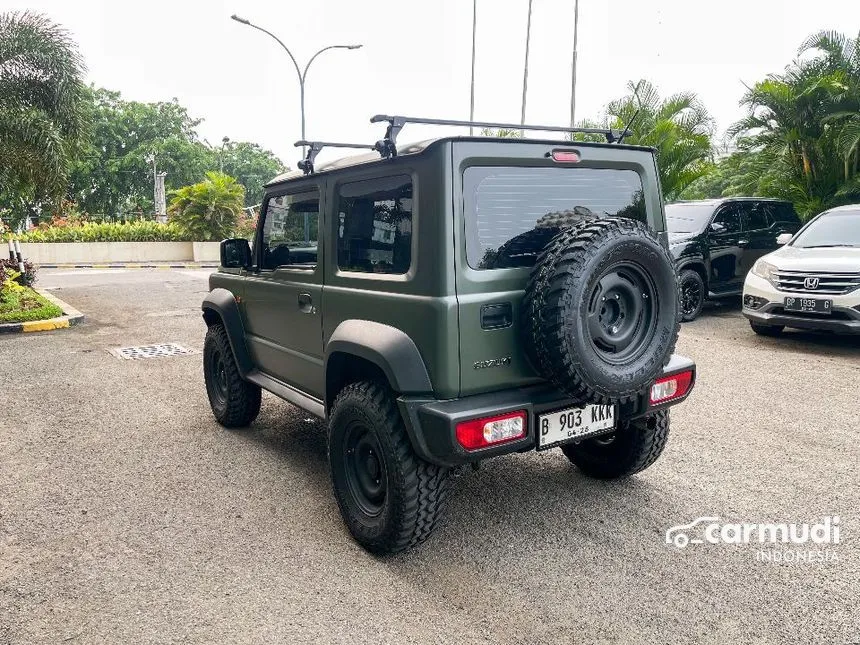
[(692, 294), (390, 498), (633, 447), (234, 401)]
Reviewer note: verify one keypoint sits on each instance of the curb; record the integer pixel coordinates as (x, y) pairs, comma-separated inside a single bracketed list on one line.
[(191, 265), (70, 317)]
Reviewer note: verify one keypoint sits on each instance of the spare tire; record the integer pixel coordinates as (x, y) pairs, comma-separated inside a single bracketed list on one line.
[(600, 313)]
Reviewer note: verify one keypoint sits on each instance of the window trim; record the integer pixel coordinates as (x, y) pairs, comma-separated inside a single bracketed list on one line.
[(334, 226), (257, 259)]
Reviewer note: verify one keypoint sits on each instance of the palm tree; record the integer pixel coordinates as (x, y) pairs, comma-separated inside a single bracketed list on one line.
[(678, 127), (801, 135), (209, 210), (42, 115)]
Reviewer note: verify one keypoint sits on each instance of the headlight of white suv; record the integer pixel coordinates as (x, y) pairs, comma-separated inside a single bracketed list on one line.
[(764, 270)]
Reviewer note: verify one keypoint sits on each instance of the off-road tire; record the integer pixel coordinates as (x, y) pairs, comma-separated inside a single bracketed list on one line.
[(631, 449), (692, 294), (767, 330), (415, 491), (235, 402), (559, 298)]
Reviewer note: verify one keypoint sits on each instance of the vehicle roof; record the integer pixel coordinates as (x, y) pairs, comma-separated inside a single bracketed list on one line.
[(724, 200), (421, 146)]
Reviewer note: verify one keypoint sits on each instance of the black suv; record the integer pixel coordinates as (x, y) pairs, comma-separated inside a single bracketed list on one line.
[(715, 243)]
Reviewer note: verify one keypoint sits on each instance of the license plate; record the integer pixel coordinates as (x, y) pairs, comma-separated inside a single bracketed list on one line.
[(573, 423), (811, 305)]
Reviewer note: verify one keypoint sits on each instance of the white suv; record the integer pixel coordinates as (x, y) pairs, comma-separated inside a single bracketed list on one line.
[(813, 282)]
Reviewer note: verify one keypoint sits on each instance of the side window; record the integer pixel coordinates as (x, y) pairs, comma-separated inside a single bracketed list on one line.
[(375, 225), (784, 213), (290, 231), (729, 217), (754, 217)]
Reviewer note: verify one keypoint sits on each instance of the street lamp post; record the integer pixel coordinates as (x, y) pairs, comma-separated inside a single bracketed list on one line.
[(301, 74), (526, 67), (472, 97), (573, 70)]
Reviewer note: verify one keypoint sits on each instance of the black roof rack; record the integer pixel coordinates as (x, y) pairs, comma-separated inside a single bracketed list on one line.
[(306, 165), (388, 146)]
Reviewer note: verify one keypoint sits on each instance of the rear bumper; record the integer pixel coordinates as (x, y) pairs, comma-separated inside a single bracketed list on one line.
[(432, 423)]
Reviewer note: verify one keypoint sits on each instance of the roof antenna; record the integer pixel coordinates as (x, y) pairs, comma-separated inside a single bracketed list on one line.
[(626, 129)]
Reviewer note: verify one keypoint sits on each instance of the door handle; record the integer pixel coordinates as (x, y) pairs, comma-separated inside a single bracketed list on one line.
[(306, 304)]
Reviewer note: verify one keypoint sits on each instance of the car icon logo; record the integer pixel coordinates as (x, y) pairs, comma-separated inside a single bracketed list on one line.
[(811, 283), (679, 537)]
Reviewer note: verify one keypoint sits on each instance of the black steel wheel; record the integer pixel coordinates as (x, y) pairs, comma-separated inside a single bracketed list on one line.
[(691, 289), (621, 312), (389, 497), (234, 402)]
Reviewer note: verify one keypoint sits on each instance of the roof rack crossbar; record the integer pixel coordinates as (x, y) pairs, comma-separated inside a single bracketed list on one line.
[(388, 146), (306, 165)]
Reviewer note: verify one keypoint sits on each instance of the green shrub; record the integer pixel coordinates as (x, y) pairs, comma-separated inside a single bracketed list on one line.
[(210, 210), (22, 304), (141, 231), (28, 278)]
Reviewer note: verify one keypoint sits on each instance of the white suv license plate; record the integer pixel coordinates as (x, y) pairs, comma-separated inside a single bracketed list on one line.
[(573, 423)]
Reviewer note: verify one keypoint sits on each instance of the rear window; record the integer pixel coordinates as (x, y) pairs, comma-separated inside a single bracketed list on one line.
[(506, 208)]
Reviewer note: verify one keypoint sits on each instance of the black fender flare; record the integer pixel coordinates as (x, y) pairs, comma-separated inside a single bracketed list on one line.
[(389, 348), (222, 303), (691, 261)]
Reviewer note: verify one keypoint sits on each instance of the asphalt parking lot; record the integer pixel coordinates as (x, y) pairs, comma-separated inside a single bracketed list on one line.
[(127, 515)]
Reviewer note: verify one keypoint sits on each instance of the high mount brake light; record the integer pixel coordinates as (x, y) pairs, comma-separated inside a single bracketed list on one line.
[(490, 431), (671, 387), (565, 156)]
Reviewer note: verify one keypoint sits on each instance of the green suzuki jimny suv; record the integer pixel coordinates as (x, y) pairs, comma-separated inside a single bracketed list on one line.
[(451, 301)]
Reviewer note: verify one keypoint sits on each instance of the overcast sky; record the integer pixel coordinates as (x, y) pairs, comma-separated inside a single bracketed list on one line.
[(416, 57)]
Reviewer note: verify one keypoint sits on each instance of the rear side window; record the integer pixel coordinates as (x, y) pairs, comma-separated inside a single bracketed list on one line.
[(784, 213), (375, 225), (506, 208), (754, 216)]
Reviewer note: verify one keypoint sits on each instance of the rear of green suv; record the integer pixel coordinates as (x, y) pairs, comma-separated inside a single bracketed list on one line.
[(424, 305)]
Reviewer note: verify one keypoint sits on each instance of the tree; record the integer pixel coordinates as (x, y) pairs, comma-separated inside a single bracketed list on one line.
[(799, 140), (678, 127), (42, 119), (113, 175), (251, 165), (209, 210)]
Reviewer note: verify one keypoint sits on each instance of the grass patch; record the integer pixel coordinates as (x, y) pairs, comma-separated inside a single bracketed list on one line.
[(24, 305)]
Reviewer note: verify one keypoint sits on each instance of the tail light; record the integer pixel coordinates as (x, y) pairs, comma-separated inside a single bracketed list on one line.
[(671, 387), (490, 431)]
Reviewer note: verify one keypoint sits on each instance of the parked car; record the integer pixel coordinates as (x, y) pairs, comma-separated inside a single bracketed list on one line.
[(716, 242), (813, 282), (406, 298)]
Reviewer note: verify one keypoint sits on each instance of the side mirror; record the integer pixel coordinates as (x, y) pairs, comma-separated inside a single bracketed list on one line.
[(235, 253), (784, 238), (716, 227)]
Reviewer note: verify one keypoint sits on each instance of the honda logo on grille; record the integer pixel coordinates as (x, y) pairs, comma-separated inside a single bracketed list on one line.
[(811, 283)]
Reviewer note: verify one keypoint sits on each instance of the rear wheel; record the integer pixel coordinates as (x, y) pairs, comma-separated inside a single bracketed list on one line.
[(692, 293), (767, 330), (234, 401), (633, 447), (390, 498)]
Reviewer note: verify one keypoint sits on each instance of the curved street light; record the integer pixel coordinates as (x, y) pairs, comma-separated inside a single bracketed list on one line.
[(301, 74)]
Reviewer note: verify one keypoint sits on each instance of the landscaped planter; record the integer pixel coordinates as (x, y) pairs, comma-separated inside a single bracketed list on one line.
[(108, 252)]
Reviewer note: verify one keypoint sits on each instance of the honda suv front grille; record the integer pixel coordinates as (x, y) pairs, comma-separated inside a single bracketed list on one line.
[(812, 282)]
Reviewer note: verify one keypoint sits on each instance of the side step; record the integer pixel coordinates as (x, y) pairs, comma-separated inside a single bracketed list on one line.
[(288, 393)]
